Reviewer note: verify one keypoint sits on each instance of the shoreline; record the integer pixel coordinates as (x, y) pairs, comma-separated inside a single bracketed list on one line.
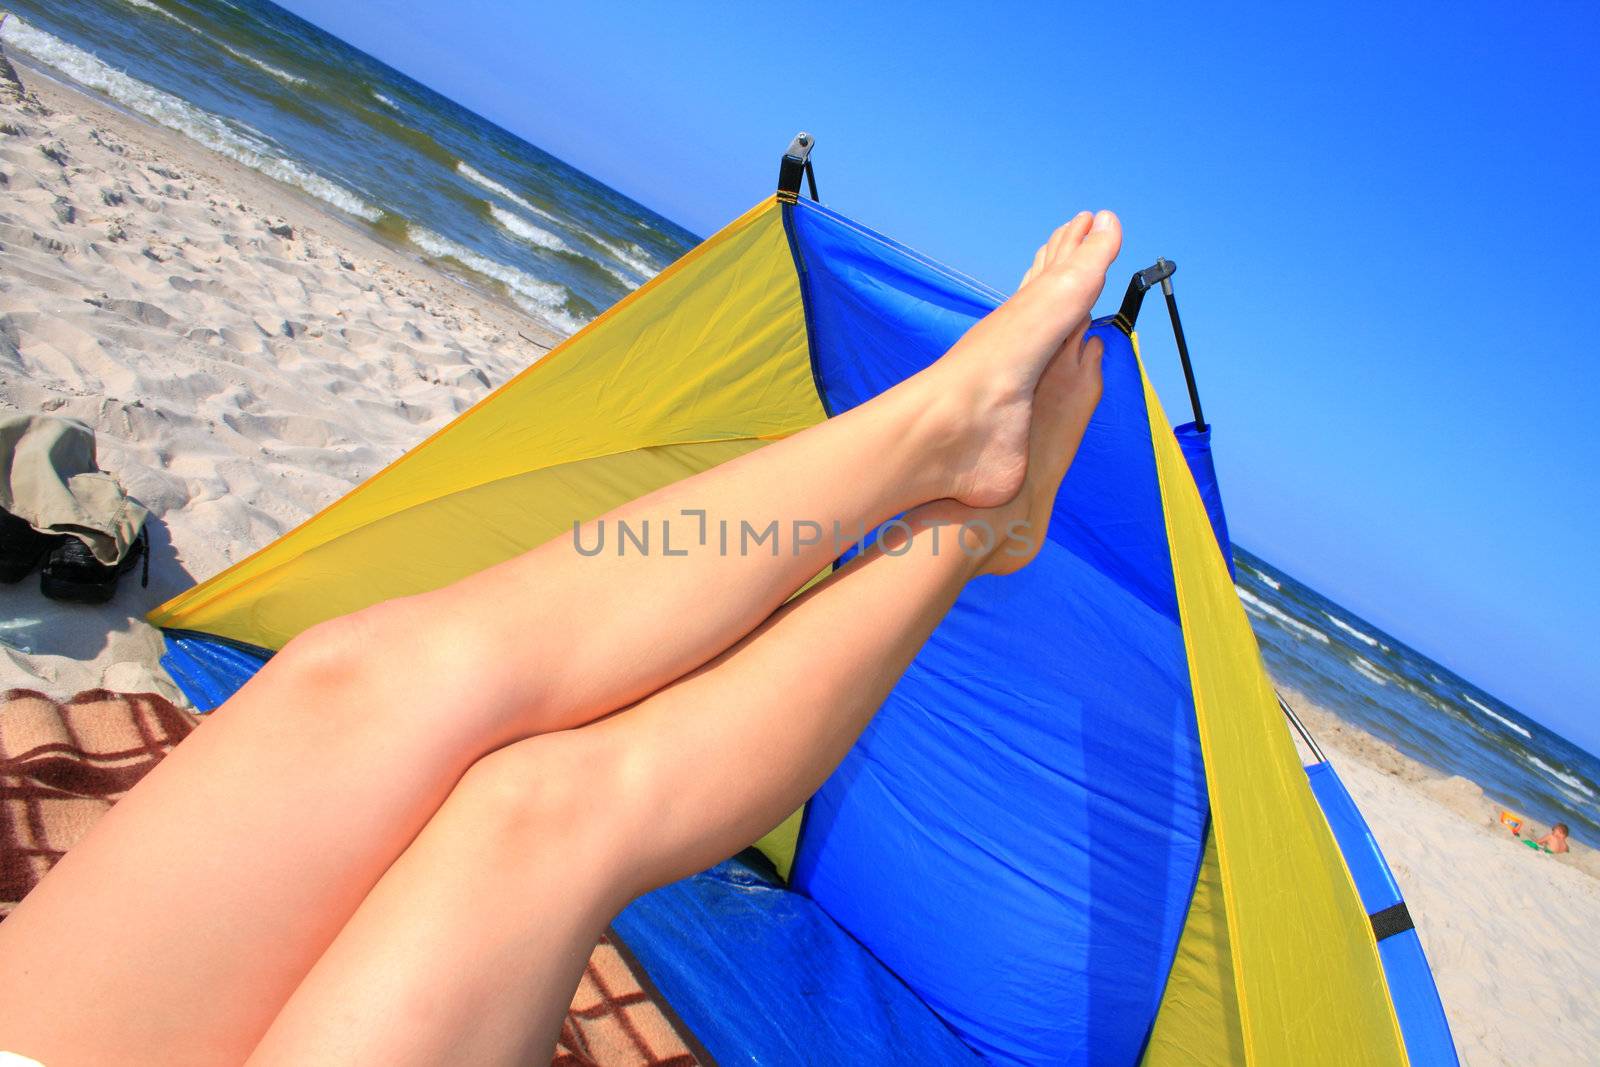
[(246, 355)]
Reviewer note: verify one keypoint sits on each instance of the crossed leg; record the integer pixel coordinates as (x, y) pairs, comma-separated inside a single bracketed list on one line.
[(180, 926), (471, 946)]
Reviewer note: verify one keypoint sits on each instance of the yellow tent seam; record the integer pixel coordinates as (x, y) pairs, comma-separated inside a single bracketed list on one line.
[(1156, 419)]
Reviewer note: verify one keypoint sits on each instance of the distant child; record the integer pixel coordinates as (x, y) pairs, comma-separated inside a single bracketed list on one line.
[(1556, 839)]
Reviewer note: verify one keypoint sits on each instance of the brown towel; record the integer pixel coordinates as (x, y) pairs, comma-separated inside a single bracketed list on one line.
[(63, 765)]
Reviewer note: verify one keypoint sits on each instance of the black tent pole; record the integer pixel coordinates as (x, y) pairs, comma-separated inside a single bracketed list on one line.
[(1183, 350)]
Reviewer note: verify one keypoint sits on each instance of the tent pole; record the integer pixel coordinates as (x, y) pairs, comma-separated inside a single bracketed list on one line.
[(1183, 349), (1300, 728)]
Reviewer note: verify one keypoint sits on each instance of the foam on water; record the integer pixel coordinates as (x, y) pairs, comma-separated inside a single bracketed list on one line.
[(175, 114), (1261, 607), (479, 178), (543, 300), (527, 231), (1560, 776), (1370, 671), (276, 72), (632, 257), (384, 100), (1366, 639), (1497, 717), (1264, 578)]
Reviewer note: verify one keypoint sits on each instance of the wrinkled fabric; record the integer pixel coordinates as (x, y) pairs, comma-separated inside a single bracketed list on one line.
[(49, 478)]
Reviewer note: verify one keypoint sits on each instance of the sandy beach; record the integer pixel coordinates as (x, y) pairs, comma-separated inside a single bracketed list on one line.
[(245, 357)]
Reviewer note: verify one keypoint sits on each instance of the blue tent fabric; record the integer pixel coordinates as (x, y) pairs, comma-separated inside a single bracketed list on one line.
[(1018, 833), (1416, 999), (763, 976), (1196, 445), (208, 669)]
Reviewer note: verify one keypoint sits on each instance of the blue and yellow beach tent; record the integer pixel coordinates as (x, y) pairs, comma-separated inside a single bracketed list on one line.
[(1078, 831)]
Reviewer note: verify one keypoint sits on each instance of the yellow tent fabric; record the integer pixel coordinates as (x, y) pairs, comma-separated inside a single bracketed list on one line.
[(705, 361), (1198, 1022), (1309, 983)]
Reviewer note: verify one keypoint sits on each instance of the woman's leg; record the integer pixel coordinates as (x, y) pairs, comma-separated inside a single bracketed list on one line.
[(471, 946), (180, 925)]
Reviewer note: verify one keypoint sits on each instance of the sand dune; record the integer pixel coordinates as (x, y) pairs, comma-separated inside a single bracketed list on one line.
[(246, 358)]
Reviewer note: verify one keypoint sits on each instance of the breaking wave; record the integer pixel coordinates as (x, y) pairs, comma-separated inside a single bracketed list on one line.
[(1264, 578), (524, 230), (195, 123), (1560, 776), (520, 227), (1370, 671), (632, 257), (543, 300), (479, 178), (1260, 607), (1497, 717), (276, 72), (1366, 639), (384, 100)]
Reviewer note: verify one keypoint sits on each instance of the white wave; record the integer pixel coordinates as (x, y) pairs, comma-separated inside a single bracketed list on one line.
[(146, 5), (520, 227), (1576, 798), (1264, 577), (276, 72), (384, 100), (1261, 607), (527, 231), (632, 257), (1367, 639), (1497, 717), (1370, 671), (493, 186), (543, 300), (175, 114), (1560, 776)]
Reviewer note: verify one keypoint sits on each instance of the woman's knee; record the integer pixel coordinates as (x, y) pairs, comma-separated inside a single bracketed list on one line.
[(576, 793), (378, 654)]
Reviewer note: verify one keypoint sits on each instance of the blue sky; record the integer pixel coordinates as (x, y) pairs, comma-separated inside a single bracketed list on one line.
[(1385, 223)]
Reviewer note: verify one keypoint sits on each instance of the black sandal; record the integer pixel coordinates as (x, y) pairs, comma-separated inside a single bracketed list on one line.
[(72, 572), (21, 547)]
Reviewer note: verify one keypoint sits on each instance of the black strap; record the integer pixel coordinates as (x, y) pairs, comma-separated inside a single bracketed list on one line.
[(1391, 920)]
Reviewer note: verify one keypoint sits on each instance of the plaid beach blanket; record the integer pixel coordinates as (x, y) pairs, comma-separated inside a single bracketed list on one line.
[(62, 765)]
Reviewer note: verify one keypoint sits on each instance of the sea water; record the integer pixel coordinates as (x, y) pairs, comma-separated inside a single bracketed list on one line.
[(255, 83), (1379, 683), (269, 90)]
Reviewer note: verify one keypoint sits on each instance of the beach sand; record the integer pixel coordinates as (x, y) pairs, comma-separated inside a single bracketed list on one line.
[(1507, 930), (245, 358)]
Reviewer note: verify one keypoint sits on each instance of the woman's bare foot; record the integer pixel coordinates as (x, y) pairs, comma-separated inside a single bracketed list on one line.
[(988, 381), (1004, 539)]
